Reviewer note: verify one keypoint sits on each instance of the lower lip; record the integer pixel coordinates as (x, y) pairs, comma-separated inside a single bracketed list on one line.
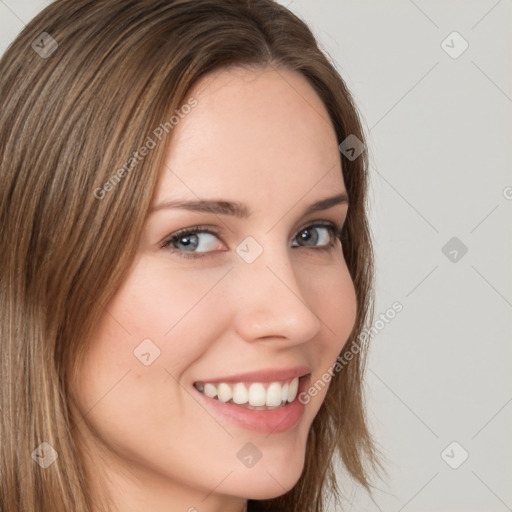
[(273, 421)]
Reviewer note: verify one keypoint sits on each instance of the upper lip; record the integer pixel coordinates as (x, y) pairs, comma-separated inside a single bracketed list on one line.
[(268, 375)]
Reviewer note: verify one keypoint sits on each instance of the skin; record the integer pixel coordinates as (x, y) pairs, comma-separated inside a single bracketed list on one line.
[(263, 138)]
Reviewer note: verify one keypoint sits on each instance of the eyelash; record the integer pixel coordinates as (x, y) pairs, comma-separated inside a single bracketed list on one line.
[(335, 233)]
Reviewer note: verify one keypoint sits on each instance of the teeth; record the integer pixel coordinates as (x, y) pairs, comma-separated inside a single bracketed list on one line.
[(292, 390), (224, 392), (284, 392), (240, 395), (210, 390), (257, 394), (275, 394)]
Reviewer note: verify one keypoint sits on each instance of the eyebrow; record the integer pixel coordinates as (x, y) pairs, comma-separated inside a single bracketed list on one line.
[(240, 210)]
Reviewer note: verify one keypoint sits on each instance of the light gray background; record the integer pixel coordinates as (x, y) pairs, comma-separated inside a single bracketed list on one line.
[(439, 134)]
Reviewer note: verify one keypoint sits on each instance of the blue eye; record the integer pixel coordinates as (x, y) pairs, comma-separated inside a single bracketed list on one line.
[(309, 235), (192, 240), (199, 241)]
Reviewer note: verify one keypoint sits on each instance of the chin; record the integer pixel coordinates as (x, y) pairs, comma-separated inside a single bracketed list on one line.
[(272, 476), (266, 487)]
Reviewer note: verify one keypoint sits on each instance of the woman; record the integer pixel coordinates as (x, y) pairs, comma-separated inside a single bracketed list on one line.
[(187, 263)]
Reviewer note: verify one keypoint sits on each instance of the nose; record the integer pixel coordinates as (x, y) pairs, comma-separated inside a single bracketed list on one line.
[(270, 303)]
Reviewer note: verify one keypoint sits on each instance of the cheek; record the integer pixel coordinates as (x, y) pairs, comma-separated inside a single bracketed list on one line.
[(335, 302), (156, 327), (333, 297), (167, 307), (157, 324)]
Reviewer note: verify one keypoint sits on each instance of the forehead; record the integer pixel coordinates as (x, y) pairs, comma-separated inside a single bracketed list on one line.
[(254, 133)]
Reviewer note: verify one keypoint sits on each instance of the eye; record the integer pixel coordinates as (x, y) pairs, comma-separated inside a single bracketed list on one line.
[(323, 236), (200, 241)]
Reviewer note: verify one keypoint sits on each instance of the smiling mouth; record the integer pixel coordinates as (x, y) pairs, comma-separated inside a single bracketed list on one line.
[(252, 395)]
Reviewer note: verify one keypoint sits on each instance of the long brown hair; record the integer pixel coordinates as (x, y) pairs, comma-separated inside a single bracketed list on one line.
[(82, 88)]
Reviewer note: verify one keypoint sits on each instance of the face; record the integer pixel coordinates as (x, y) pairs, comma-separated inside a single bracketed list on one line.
[(191, 377)]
